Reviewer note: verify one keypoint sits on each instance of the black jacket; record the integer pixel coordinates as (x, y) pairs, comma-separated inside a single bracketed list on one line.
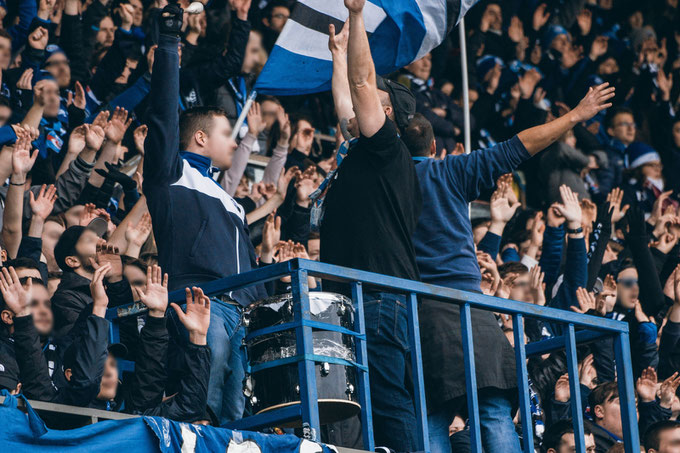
[(73, 295), (146, 397), (86, 372), (9, 370)]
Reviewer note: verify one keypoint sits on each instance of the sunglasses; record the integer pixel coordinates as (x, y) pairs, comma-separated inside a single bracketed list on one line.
[(628, 282)]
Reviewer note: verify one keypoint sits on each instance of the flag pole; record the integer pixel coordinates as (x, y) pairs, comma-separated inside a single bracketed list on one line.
[(244, 113), (464, 82)]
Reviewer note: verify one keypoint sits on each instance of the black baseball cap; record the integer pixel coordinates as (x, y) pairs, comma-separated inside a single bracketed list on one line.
[(66, 245), (403, 101)]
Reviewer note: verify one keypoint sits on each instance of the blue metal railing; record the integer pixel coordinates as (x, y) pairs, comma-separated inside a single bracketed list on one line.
[(590, 329)]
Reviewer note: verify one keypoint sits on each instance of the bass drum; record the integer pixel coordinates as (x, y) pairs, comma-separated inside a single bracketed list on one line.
[(279, 387)]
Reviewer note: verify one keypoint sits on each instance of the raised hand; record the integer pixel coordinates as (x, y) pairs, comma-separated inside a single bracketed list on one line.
[(614, 199), (38, 38), (116, 127), (491, 279), (515, 30), (589, 210), (646, 385), (586, 301), (570, 207), (139, 233), (76, 141), (562, 392), (197, 317), (271, 235), (540, 17), (502, 208), (305, 185), (42, 205), (668, 389), (156, 295), (22, 159), (79, 98), (16, 297), (599, 47), (536, 277), (284, 127), (640, 314), (587, 373), (355, 6), (108, 255), (126, 13), (528, 82), (594, 102), (99, 297), (241, 7), (606, 299), (139, 136), (25, 82), (285, 179), (255, 122), (337, 43)]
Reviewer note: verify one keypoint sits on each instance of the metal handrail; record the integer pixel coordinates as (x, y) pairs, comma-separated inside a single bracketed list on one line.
[(594, 328)]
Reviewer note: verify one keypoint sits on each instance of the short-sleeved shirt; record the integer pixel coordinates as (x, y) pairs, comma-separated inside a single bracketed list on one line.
[(372, 208)]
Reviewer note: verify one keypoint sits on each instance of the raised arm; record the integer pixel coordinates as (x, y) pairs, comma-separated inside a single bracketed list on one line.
[(361, 73), (342, 98), (161, 158), (538, 138)]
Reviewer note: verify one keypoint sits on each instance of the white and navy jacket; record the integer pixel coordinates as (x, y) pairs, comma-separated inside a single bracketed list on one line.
[(200, 231)]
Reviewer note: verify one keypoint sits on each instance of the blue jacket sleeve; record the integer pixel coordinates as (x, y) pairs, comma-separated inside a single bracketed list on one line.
[(162, 164), (28, 9), (112, 65), (7, 135), (491, 244), (480, 169), (551, 256)]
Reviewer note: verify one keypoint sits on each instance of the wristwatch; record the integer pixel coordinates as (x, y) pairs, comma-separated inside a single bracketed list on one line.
[(578, 230)]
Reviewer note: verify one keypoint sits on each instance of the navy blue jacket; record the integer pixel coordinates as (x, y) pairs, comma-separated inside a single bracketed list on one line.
[(443, 239), (200, 231)]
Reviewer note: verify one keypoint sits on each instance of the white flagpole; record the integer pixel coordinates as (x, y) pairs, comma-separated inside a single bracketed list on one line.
[(244, 113), (464, 82)]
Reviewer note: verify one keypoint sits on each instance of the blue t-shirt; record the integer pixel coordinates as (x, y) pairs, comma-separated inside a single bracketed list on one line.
[(445, 252)]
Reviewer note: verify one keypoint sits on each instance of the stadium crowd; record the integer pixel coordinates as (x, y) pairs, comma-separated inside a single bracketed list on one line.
[(121, 181)]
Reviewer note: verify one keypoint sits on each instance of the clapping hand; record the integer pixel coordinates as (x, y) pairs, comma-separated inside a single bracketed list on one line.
[(570, 208), (646, 385), (99, 297), (42, 205)]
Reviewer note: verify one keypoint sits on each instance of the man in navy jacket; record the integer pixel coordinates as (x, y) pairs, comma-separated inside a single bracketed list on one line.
[(200, 231), (445, 254)]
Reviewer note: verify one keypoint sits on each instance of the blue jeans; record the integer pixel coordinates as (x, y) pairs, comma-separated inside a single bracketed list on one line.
[(497, 428), (394, 420), (225, 335)]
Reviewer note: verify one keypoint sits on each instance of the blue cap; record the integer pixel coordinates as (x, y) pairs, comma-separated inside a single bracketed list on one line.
[(41, 75), (3, 4), (553, 32), (640, 153), (486, 64), (52, 49)]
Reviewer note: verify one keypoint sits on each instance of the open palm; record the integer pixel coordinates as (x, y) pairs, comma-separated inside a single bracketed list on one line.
[(156, 295), (196, 319)]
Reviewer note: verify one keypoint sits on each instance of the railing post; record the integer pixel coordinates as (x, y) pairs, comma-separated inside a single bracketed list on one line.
[(306, 368), (470, 379), (624, 373), (523, 383), (362, 358), (417, 367), (575, 390)]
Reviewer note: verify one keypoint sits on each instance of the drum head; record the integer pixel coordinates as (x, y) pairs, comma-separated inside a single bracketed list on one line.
[(330, 411)]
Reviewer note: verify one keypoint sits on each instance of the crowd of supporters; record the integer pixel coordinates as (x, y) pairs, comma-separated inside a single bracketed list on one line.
[(120, 181)]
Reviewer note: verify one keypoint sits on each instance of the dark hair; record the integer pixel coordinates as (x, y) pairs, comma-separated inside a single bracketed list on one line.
[(653, 433), (553, 435), (418, 136), (275, 4), (136, 262), (602, 394), (22, 263), (59, 218), (512, 267), (5, 34), (196, 119), (4, 101), (614, 112)]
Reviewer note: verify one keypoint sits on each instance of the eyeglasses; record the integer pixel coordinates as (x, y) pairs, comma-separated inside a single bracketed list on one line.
[(279, 16), (628, 282)]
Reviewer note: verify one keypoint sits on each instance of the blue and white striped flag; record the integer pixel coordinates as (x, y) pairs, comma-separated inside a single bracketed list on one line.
[(399, 32)]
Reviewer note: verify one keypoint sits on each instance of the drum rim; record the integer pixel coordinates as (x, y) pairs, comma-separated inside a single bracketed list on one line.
[(321, 400), (320, 295)]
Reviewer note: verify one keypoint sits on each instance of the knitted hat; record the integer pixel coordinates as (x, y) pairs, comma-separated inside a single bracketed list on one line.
[(51, 50), (486, 64), (640, 153), (41, 75), (553, 32)]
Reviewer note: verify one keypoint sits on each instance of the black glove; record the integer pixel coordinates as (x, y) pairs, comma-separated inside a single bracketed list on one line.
[(115, 175), (171, 20)]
